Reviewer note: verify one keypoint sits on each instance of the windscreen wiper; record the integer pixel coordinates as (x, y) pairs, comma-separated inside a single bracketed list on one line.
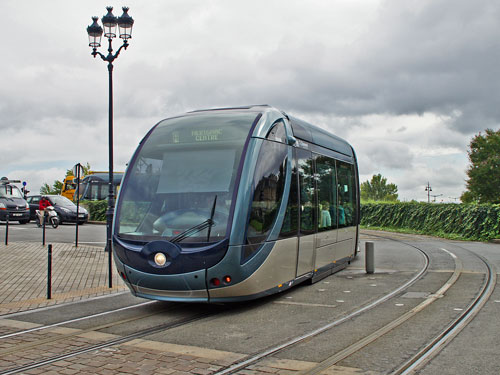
[(198, 228)]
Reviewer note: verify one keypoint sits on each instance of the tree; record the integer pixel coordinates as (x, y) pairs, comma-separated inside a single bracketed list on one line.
[(484, 170), (377, 189), (54, 190)]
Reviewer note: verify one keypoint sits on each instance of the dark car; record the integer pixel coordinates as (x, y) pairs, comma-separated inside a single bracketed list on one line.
[(12, 202), (66, 210)]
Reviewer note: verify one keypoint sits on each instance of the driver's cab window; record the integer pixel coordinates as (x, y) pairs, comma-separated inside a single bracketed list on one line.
[(277, 132)]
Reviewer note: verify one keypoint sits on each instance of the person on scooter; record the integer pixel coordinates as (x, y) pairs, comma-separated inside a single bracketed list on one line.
[(44, 203)]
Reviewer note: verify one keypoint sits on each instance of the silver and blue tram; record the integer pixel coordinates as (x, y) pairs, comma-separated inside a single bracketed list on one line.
[(234, 204)]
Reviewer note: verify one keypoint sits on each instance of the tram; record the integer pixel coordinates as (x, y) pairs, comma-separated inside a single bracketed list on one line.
[(95, 186), (234, 204)]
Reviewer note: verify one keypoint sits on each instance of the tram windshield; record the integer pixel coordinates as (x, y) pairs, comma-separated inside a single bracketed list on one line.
[(183, 176)]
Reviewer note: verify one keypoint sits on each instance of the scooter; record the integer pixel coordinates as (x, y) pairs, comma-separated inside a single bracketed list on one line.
[(50, 217)]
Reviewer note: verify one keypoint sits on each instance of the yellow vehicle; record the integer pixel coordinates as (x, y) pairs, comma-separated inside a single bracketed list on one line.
[(69, 187)]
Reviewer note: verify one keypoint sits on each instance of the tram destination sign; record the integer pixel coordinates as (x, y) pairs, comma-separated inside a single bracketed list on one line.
[(199, 135)]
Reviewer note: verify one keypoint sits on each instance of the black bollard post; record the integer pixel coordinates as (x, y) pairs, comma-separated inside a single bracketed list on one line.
[(49, 272), (7, 229), (79, 167), (110, 269), (43, 229)]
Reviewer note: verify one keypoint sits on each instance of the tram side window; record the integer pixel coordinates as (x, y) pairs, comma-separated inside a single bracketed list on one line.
[(305, 170), (277, 132), (269, 181), (327, 193), (291, 220), (347, 195)]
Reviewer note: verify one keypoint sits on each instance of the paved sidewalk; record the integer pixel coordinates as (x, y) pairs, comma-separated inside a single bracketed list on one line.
[(77, 273)]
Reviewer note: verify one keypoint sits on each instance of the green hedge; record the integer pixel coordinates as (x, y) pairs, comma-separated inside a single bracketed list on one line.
[(461, 221), (96, 209)]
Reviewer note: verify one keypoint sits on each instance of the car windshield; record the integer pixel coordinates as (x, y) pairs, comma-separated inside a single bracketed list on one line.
[(10, 191), (59, 200), (185, 167)]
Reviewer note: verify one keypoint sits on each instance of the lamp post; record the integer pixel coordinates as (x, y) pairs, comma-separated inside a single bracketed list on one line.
[(428, 189), (95, 31)]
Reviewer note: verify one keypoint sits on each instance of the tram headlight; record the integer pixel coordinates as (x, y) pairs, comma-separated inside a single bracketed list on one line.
[(160, 259)]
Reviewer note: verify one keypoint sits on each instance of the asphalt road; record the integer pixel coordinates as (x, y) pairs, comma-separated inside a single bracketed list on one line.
[(88, 234)]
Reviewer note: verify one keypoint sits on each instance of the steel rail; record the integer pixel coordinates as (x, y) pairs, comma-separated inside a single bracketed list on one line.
[(275, 349), (108, 343), (343, 354), (453, 329), (39, 342), (58, 305), (35, 329)]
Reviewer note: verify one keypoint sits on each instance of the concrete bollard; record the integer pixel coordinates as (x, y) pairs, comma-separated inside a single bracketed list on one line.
[(370, 257)]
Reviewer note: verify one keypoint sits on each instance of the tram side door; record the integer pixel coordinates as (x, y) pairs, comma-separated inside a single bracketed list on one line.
[(307, 212)]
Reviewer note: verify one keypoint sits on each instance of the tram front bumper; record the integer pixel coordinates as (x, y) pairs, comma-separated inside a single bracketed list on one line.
[(189, 287)]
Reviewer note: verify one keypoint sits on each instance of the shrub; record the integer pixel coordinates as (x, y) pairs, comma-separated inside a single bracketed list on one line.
[(97, 209), (465, 221)]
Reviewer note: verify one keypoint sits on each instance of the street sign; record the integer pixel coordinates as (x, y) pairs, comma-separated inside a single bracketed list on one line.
[(78, 170)]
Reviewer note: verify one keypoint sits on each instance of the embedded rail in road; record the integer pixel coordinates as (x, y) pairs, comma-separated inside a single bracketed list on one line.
[(370, 322)]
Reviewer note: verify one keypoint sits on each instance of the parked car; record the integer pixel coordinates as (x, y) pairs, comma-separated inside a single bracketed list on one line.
[(66, 210), (12, 202)]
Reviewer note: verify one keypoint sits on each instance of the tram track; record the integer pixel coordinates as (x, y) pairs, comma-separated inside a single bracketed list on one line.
[(416, 362), (61, 337), (75, 320), (252, 359), (108, 343), (433, 348), (419, 359), (164, 327)]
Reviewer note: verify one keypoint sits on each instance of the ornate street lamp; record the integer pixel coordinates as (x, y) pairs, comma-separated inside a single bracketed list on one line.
[(428, 189), (125, 23)]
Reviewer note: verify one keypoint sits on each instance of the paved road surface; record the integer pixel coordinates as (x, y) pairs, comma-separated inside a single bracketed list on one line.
[(88, 234)]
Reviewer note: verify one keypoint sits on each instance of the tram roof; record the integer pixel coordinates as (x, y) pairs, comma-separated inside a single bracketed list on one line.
[(300, 128), (103, 176)]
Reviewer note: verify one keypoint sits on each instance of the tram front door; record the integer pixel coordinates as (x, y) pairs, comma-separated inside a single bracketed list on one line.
[(307, 204)]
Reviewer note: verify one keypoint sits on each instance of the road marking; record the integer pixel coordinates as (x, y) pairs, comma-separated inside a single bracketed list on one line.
[(450, 253)]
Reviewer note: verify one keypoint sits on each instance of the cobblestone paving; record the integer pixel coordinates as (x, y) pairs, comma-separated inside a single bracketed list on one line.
[(77, 273)]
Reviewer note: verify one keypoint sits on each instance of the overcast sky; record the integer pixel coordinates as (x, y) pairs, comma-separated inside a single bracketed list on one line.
[(407, 83)]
